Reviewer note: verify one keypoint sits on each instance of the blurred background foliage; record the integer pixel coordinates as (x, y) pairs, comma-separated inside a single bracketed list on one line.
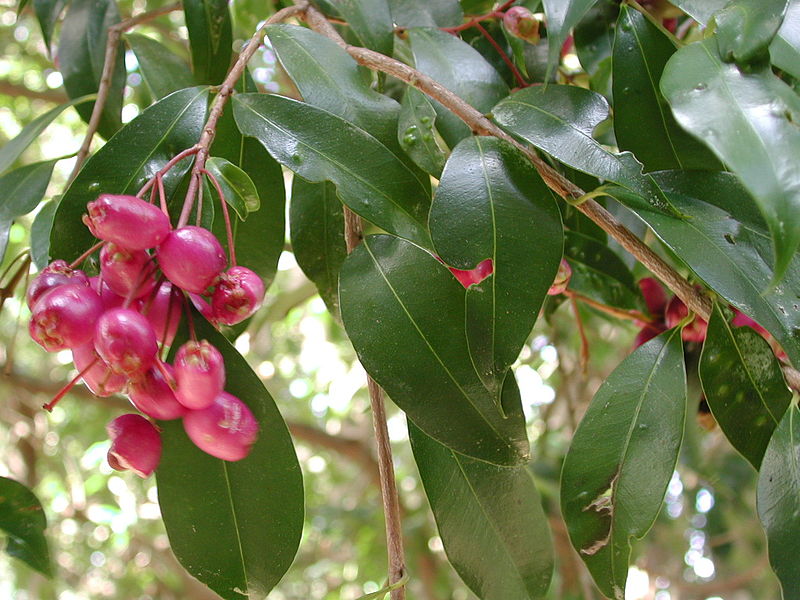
[(104, 527)]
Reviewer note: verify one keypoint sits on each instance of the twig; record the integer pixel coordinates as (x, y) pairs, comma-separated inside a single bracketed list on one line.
[(498, 12), (112, 46), (584, 355), (509, 63), (629, 315)]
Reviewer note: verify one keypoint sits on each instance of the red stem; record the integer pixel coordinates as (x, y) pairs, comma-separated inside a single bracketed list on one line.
[(86, 255), (498, 12), (162, 195), (165, 374), (63, 391), (172, 162), (225, 214), (503, 55)]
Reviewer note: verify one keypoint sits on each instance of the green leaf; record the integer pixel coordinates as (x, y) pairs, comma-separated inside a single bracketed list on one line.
[(724, 240), (409, 334), (560, 119), (163, 71), (316, 222), (235, 526), (785, 48), (489, 200), (239, 190), (643, 122), (485, 511), (461, 69), (127, 162), (21, 190), (82, 53), (210, 38), (371, 21), (47, 13), (743, 385), (11, 151), (700, 10), (749, 119), (599, 273), (416, 132), (745, 28), (779, 500), (22, 519), (594, 37), (426, 13), (622, 457), (40, 234), (320, 146), (562, 16)]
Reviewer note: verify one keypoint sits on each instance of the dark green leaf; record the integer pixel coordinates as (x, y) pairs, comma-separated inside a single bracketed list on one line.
[(11, 151), (599, 273), (643, 122), (594, 36), (562, 16), (81, 55), (785, 48), (461, 69), (40, 234), (163, 71), (779, 501), (743, 385), (409, 334), (622, 457), (21, 190), (235, 526), (560, 119), (126, 163), (316, 221), (489, 200), (22, 519), (426, 13), (239, 190), (47, 13), (371, 21), (417, 134), (210, 38), (749, 119), (745, 28), (320, 146), (482, 511)]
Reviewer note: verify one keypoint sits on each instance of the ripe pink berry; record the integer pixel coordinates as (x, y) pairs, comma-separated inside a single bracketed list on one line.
[(107, 297), (126, 272), (99, 378), (202, 305), (226, 429), (676, 312), (648, 332), (520, 22), (64, 317), (654, 295), (135, 445), (126, 220), (152, 395), (742, 320), (561, 281), (473, 276), (125, 339), (56, 273), (191, 258), (200, 373), (238, 295), (164, 312)]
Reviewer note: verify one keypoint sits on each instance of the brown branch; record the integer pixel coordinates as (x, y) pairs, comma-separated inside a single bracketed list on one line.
[(620, 313), (7, 88)]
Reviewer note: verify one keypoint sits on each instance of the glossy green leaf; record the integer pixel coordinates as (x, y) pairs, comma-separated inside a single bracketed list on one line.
[(417, 134), (489, 200), (371, 21), (241, 529), (22, 519), (47, 13), (163, 71), (643, 123), (461, 69), (483, 511), (126, 163), (700, 10), (622, 457), (40, 234), (81, 55), (749, 119), (409, 334), (239, 190), (785, 48), (599, 273), (745, 28), (426, 13), (11, 151), (316, 223), (560, 119), (210, 38), (743, 385), (320, 146), (724, 240), (779, 501), (21, 190), (562, 16)]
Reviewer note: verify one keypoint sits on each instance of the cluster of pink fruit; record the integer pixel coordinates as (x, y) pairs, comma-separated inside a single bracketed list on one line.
[(118, 324)]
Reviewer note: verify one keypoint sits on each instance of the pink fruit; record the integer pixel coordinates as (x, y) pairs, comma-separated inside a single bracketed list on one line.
[(126, 220), (135, 445), (654, 295), (200, 374), (676, 311), (202, 305), (226, 429), (56, 273), (561, 281), (238, 295), (152, 395), (126, 272), (99, 378), (107, 297), (125, 339), (164, 312), (191, 258), (648, 332), (742, 320), (64, 317), (473, 276), (520, 22)]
